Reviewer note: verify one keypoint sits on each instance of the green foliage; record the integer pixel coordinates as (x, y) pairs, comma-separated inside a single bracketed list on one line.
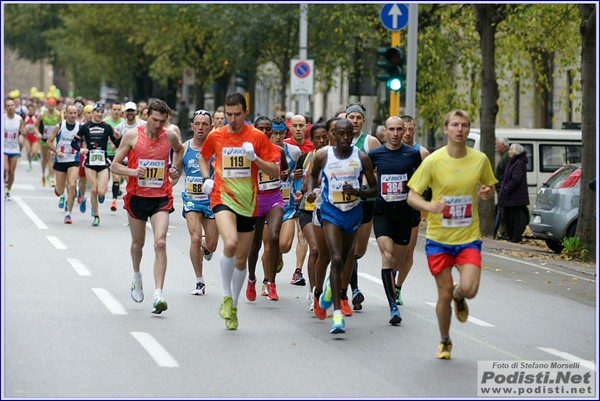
[(574, 249)]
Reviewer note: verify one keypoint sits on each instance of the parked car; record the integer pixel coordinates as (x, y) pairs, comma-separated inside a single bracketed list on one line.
[(554, 215)]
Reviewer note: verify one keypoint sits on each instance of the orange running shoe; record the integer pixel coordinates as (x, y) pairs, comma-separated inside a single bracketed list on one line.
[(345, 308)]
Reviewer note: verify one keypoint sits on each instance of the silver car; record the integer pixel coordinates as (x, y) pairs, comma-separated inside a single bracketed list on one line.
[(554, 215)]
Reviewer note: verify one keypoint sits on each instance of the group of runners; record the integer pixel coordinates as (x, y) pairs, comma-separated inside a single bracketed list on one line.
[(332, 189)]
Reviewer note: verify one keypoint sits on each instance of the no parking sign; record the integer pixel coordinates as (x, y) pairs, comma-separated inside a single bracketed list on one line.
[(301, 72)]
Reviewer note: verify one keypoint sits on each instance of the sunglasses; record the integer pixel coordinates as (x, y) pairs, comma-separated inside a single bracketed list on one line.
[(201, 113)]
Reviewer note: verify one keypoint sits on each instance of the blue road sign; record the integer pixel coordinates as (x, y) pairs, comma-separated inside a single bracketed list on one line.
[(394, 16), (302, 69)]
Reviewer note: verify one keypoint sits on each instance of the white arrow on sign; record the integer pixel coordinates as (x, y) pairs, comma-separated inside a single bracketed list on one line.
[(395, 13)]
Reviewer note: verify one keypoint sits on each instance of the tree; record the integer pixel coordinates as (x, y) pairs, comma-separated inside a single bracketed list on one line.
[(488, 18), (586, 225)]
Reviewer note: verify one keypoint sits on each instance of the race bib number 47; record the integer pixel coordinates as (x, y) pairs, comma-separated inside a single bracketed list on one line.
[(458, 211)]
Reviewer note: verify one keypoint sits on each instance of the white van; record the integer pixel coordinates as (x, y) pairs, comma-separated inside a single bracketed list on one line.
[(547, 150)]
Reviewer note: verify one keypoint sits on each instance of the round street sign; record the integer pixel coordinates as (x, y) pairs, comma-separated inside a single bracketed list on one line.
[(394, 16), (302, 69)]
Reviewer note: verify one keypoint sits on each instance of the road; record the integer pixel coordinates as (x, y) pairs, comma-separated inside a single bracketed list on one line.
[(70, 328)]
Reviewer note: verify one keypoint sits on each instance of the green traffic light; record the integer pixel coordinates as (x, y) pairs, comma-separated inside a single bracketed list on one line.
[(394, 84)]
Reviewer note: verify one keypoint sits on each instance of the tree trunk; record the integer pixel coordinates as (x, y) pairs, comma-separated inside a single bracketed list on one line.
[(486, 26), (586, 225)]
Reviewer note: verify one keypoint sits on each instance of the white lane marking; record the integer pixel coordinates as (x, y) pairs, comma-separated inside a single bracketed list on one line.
[(109, 301), (30, 213), (23, 187), (56, 242), (569, 357), (79, 267), (470, 318), (372, 278), (156, 351), (541, 267)]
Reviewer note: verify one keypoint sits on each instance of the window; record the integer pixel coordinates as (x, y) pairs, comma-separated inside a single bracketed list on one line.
[(554, 156)]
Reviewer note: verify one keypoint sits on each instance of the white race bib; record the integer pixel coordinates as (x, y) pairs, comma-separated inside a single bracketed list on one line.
[(458, 211)]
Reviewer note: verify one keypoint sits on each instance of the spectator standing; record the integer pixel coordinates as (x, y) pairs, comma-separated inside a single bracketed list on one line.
[(513, 197)]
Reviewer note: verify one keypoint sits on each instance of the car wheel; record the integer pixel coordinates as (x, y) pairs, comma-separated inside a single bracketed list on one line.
[(572, 229), (555, 246)]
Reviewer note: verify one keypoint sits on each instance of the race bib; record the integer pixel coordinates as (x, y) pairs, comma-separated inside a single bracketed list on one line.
[(285, 191), (235, 163), (47, 131), (10, 135), (155, 173), (458, 211), (266, 182), (97, 157), (343, 201), (393, 187), (193, 188)]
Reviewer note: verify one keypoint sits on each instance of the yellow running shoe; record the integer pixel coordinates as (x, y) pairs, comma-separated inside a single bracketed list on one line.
[(444, 350), (461, 309)]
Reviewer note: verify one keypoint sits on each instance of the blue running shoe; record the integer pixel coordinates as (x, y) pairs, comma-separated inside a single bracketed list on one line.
[(61, 202), (82, 206), (326, 298), (101, 199), (338, 326), (395, 318)]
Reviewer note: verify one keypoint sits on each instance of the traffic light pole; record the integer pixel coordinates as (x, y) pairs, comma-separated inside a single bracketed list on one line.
[(395, 95)]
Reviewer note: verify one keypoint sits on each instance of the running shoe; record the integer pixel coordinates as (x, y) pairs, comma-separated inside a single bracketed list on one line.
[(226, 307), (206, 254), (44, 181), (338, 326), (280, 264), (395, 318), (319, 312), (264, 291), (68, 219), (7, 195), (357, 299), (113, 206), (251, 290), (61, 202), (96, 221), (200, 289), (399, 300), (232, 322), (326, 298), (298, 279), (52, 183), (82, 206), (444, 350), (160, 305), (101, 199), (345, 308), (137, 291), (272, 289), (310, 299), (78, 197), (461, 309)]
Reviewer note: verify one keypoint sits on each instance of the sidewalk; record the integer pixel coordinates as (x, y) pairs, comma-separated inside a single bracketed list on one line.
[(531, 250), (536, 251)]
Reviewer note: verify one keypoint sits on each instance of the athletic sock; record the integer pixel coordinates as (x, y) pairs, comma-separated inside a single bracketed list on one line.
[(344, 293), (387, 276), (137, 276), (115, 189), (227, 268), (158, 293), (354, 277), (238, 280)]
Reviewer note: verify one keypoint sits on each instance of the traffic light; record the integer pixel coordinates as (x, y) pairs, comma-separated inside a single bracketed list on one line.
[(392, 67), (241, 80)]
